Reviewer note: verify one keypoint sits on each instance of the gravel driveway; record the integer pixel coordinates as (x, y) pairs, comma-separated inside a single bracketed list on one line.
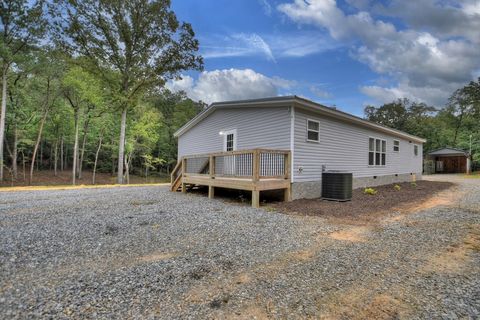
[(145, 252)]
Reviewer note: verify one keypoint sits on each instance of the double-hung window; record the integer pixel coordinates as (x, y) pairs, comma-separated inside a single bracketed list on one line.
[(313, 131), (415, 149), (377, 152), (396, 145)]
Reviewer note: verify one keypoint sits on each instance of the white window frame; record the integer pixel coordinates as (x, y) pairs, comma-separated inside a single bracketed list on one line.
[(416, 146), (225, 134), (317, 131), (398, 146), (375, 151)]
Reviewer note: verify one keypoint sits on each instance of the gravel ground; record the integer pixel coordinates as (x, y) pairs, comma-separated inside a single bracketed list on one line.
[(145, 252)]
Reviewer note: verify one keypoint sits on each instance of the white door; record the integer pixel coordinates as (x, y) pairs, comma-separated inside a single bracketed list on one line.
[(229, 144)]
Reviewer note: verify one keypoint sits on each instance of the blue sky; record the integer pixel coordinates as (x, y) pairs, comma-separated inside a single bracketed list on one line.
[(345, 53)]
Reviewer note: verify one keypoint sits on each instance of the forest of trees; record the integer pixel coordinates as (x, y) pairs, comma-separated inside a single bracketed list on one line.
[(457, 124), (83, 87)]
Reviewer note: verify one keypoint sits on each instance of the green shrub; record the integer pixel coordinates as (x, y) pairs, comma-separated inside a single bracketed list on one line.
[(370, 191), (414, 184), (397, 187)]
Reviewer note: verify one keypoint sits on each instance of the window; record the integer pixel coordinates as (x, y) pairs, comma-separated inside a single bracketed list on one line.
[(229, 140), (415, 150), (396, 146), (313, 131), (377, 152)]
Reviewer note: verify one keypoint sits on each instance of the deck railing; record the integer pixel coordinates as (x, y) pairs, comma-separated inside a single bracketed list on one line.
[(246, 164), (254, 170)]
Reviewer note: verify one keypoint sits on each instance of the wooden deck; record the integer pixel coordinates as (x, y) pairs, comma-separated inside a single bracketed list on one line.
[(252, 170)]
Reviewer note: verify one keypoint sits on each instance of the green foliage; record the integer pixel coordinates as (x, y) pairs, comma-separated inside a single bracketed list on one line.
[(450, 125), (397, 187), (370, 191), (413, 184)]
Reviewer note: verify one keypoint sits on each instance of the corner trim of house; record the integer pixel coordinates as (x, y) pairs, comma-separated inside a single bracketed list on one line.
[(292, 142)]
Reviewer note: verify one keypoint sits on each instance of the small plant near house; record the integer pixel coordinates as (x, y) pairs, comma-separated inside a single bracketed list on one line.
[(397, 187), (414, 184), (370, 191)]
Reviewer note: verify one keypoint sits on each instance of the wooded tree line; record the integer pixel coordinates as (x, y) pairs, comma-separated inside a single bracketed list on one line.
[(457, 124), (83, 86)]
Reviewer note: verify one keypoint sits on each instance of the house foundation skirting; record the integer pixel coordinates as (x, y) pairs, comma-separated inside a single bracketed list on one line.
[(313, 189)]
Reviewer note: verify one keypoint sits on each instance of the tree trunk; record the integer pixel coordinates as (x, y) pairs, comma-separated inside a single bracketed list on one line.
[(82, 152), (23, 165), (40, 162), (15, 152), (3, 111), (61, 155), (66, 158), (55, 157), (37, 144), (75, 149), (127, 169), (121, 146), (96, 159)]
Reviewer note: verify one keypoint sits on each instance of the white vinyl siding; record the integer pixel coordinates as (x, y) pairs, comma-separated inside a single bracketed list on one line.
[(345, 146), (256, 127)]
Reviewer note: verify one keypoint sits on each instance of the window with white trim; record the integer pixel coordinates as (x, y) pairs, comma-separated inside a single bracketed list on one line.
[(396, 146), (313, 131), (377, 152), (415, 149)]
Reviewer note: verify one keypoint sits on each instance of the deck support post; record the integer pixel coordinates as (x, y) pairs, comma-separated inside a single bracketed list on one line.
[(255, 199), (287, 194), (184, 166), (211, 192)]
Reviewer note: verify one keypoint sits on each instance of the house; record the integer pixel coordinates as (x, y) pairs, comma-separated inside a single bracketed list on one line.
[(449, 160), (286, 143)]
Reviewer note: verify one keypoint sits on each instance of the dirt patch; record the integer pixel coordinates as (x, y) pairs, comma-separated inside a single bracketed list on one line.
[(457, 256), (363, 302), (48, 178), (365, 208), (158, 256), (355, 234)]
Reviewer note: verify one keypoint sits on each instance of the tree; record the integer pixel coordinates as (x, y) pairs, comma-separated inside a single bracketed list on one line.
[(47, 83), (140, 40), (177, 109), (21, 25), (84, 94)]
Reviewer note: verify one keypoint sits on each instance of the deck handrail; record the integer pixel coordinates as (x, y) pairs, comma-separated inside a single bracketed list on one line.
[(251, 163), (228, 153)]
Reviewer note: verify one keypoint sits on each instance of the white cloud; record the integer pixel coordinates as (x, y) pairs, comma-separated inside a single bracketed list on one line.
[(267, 8), (428, 61), (257, 43), (321, 93), (229, 84), (295, 44)]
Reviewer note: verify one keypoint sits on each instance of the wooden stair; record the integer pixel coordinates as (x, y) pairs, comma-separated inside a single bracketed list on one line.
[(176, 178)]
